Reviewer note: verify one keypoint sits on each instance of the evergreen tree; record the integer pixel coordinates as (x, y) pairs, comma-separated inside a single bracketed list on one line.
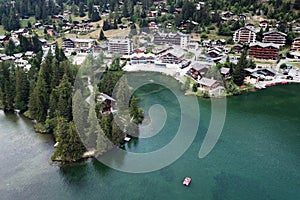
[(64, 103), (38, 101), (102, 36), (95, 16), (238, 70), (22, 90), (70, 147), (10, 48)]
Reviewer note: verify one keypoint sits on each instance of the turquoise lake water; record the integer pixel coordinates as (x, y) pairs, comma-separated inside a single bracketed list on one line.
[(256, 157)]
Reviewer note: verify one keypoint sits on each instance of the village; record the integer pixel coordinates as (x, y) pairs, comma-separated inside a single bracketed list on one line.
[(173, 51)]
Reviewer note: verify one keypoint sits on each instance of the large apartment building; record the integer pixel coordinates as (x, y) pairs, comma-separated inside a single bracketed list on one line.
[(296, 44), (264, 50), (244, 35), (275, 37), (120, 46), (178, 38)]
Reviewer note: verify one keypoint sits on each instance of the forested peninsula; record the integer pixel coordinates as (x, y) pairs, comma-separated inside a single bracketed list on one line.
[(44, 93)]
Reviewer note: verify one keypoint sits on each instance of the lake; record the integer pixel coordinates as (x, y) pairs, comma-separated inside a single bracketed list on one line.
[(256, 156)]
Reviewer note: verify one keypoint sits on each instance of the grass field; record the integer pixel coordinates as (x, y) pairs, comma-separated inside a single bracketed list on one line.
[(2, 31)]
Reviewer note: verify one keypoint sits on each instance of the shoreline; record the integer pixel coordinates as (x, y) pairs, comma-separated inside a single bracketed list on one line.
[(179, 75)]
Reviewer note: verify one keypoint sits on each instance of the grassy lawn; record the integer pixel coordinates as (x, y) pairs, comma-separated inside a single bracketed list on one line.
[(2, 31), (24, 22)]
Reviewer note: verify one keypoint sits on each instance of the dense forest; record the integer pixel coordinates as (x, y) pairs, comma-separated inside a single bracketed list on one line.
[(45, 94)]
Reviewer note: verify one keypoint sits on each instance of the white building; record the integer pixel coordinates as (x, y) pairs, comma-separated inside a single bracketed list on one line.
[(120, 46)]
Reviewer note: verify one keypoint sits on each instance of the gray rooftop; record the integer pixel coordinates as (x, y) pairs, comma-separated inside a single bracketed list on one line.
[(207, 82)]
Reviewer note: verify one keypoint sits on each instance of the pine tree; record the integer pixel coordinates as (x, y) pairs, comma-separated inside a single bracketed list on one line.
[(238, 70), (22, 90), (70, 147), (38, 101), (64, 103), (102, 36), (95, 16), (10, 48)]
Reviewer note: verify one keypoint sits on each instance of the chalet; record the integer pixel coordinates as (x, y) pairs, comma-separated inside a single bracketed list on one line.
[(178, 38), (227, 15), (123, 26), (85, 21), (3, 40), (164, 11), (173, 56), (197, 71), (153, 26), (200, 5), (21, 62), (220, 42), (29, 54), (68, 43), (22, 31), (275, 37), (214, 53), (38, 25), (296, 28), (153, 14), (296, 44), (108, 103), (207, 43), (84, 43), (250, 25), (18, 55), (264, 24), (5, 58), (208, 84), (245, 35), (80, 45), (43, 42), (242, 17), (2, 55), (224, 19), (67, 26), (225, 72), (169, 25), (238, 48), (264, 50), (267, 71)]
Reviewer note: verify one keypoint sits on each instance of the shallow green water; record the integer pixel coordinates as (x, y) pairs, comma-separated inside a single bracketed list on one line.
[(256, 157)]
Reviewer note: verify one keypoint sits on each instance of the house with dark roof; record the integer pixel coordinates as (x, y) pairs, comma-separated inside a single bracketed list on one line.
[(107, 102), (197, 71), (296, 44), (173, 56), (264, 50), (244, 35), (225, 72), (208, 84), (275, 37), (3, 40), (238, 48)]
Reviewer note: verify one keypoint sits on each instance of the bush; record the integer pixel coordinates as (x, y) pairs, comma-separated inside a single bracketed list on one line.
[(195, 87), (204, 36)]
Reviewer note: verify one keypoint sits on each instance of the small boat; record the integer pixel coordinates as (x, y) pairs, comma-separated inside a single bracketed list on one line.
[(187, 181)]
